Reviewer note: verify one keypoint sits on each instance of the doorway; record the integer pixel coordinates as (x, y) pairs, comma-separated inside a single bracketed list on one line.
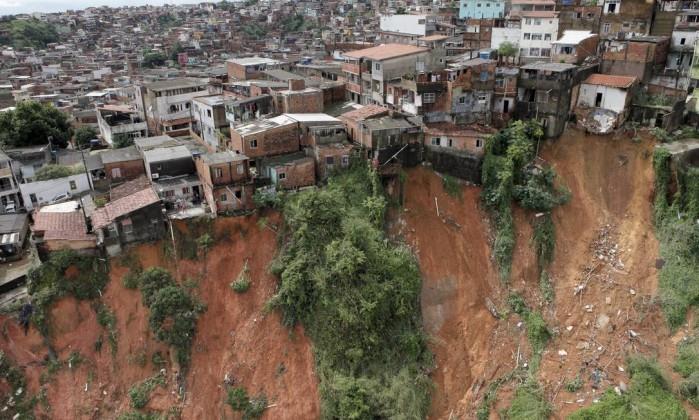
[(506, 106), (598, 100)]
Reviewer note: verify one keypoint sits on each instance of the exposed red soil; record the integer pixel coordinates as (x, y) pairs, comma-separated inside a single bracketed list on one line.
[(234, 337), (611, 181)]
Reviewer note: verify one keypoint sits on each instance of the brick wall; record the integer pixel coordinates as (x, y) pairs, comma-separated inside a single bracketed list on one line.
[(275, 141), (299, 173), (337, 152), (128, 170), (301, 102)]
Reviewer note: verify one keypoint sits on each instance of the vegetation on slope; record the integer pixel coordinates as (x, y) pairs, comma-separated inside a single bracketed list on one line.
[(687, 365), (508, 174), (173, 312), (26, 33), (649, 397), (678, 234), (64, 273), (358, 297)]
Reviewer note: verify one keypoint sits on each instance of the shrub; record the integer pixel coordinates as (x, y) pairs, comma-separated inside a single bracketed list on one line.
[(48, 172), (237, 398), (546, 289), (648, 397), (140, 393), (151, 281), (242, 283), (575, 384)]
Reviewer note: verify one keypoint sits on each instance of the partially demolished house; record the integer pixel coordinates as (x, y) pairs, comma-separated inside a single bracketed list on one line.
[(604, 102)]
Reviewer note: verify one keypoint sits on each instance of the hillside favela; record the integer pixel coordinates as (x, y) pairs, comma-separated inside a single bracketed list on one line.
[(358, 209)]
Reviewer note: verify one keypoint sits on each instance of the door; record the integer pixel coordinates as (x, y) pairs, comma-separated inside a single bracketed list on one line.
[(598, 100), (506, 106)]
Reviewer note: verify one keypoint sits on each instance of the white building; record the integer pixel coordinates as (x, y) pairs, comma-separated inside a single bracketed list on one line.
[(539, 30), (208, 119), (39, 193), (114, 120), (510, 31), (166, 104)]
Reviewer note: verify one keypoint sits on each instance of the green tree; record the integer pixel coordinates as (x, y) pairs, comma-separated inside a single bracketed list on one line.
[(153, 59), (507, 49), (175, 50), (54, 171), (83, 135), (121, 140), (204, 243), (32, 123)]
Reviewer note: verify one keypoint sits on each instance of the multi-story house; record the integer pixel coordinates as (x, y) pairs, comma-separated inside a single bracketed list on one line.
[(167, 104), (481, 9), (114, 121), (369, 71), (574, 47), (226, 181), (621, 19), (209, 122), (405, 29), (544, 92), (9, 190)]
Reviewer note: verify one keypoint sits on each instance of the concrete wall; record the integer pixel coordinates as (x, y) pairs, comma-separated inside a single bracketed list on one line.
[(409, 24), (481, 9), (613, 99), (459, 164), (500, 35), (46, 191), (122, 171), (548, 26)]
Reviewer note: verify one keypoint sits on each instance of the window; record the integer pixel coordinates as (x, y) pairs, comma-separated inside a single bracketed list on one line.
[(421, 22), (528, 21), (537, 22), (223, 198), (546, 52), (435, 141), (450, 142), (428, 98), (527, 36), (240, 169), (536, 37), (547, 37), (116, 172), (169, 193), (253, 144), (482, 98), (238, 194), (682, 41), (185, 190), (484, 76), (72, 185), (500, 83), (345, 161), (219, 172), (534, 52), (479, 143), (208, 113), (329, 160), (377, 66), (462, 100), (605, 28), (32, 197), (281, 176), (127, 225)]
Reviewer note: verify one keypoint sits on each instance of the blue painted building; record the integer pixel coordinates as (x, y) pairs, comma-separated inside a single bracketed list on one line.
[(481, 9)]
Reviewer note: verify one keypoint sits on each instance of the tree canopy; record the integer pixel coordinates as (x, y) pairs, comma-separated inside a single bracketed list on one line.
[(153, 59), (83, 135), (54, 171), (32, 123), (507, 49), (121, 140)]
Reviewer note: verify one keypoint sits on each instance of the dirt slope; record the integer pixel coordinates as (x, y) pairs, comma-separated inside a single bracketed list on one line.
[(234, 337), (608, 216)]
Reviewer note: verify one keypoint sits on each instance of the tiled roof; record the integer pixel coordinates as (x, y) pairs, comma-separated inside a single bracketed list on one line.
[(123, 206), (129, 187), (62, 226), (609, 80), (365, 112), (386, 51)]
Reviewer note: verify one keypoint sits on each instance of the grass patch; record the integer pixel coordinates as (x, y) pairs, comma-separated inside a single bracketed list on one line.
[(451, 186), (687, 365), (140, 393), (546, 289), (107, 319), (649, 397), (483, 410), (529, 403), (575, 384), (17, 399), (357, 296)]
